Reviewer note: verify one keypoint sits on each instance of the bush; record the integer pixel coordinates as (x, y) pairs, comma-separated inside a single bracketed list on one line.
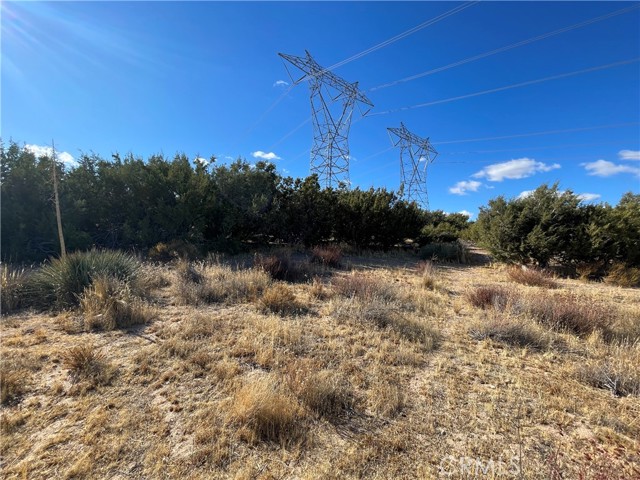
[(566, 313), (164, 252), (492, 296), (512, 332), (282, 267), (531, 276), (357, 285), (427, 269), (455, 252), (280, 299), (268, 411), (623, 276), (61, 282), (618, 372), (109, 304), (329, 255), (12, 281)]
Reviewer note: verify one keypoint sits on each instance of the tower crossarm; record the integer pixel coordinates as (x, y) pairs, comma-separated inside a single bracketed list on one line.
[(312, 69)]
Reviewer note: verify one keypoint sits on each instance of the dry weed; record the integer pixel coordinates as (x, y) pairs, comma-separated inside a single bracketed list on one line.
[(531, 276)]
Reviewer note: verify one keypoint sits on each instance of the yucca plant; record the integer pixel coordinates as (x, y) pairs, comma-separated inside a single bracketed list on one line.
[(12, 281), (60, 282)]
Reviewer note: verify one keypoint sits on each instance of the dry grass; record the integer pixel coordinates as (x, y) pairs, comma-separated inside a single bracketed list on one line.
[(429, 273), (279, 298), (623, 276), (222, 390), (86, 362), (491, 296), (328, 255), (282, 267), (12, 284), (12, 384), (109, 303), (531, 276), (268, 412)]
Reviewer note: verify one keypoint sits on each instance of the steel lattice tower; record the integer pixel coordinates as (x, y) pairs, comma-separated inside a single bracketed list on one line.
[(415, 154), (332, 103)]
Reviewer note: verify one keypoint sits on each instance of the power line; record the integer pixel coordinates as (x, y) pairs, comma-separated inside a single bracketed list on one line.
[(506, 48), (402, 35), (509, 87)]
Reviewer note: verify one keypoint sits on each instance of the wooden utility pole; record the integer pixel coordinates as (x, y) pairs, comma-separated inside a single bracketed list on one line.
[(63, 250)]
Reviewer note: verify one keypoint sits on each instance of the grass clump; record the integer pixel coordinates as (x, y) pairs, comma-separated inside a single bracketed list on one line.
[(86, 363), (355, 285), (109, 304), (280, 299), (325, 392), (617, 372), (489, 296), (267, 411), (623, 276), (566, 313), (328, 255), (429, 274), (454, 252), (61, 282), (532, 277), (12, 283), (516, 333), (200, 284), (12, 384)]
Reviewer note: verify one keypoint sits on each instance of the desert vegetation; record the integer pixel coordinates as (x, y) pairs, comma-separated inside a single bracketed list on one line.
[(218, 368)]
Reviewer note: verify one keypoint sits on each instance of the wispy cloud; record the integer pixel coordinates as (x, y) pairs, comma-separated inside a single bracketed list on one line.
[(514, 169), (461, 188), (265, 156), (589, 197), (280, 83), (629, 154), (44, 151), (604, 168)]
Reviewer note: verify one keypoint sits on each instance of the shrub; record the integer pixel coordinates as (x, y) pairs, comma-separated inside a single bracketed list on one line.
[(456, 252), (219, 283), (280, 299), (268, 411), (531, 276), (618, 372), (282, 267), (512, 332), (566, 313), (61, 282), (491, 296), (329, 255), (12, 281), (174, 249), (357, 285), (85, 362), (623, 276), (109, 303)]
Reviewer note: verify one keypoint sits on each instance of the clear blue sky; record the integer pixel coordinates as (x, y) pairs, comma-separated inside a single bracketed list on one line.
[(200, 78)]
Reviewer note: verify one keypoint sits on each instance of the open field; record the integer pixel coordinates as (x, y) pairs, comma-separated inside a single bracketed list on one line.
[(381, 369)]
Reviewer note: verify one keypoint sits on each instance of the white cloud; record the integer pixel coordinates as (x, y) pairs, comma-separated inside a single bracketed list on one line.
[(44, 151), (588, 197), (265, 155), (514, 169), (603, 168), (465, 212), (202, 161), (629, 154), (525, 194), (461, 188), (281, 83)]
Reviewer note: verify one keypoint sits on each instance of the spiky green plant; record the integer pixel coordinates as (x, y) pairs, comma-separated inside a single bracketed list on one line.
[(12, 282)]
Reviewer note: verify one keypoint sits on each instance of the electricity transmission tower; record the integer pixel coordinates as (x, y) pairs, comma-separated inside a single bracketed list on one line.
[(332, 103), (415, 154)]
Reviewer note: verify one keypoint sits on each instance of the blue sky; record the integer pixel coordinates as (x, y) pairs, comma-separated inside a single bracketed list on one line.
[(204, 78)]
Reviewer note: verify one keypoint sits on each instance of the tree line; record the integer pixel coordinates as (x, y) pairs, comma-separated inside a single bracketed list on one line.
[(131, 203)]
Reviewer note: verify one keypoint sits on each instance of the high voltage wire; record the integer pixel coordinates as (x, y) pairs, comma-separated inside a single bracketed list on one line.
[(509, 87), (506, 48), (359, 55), (402, 35)]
